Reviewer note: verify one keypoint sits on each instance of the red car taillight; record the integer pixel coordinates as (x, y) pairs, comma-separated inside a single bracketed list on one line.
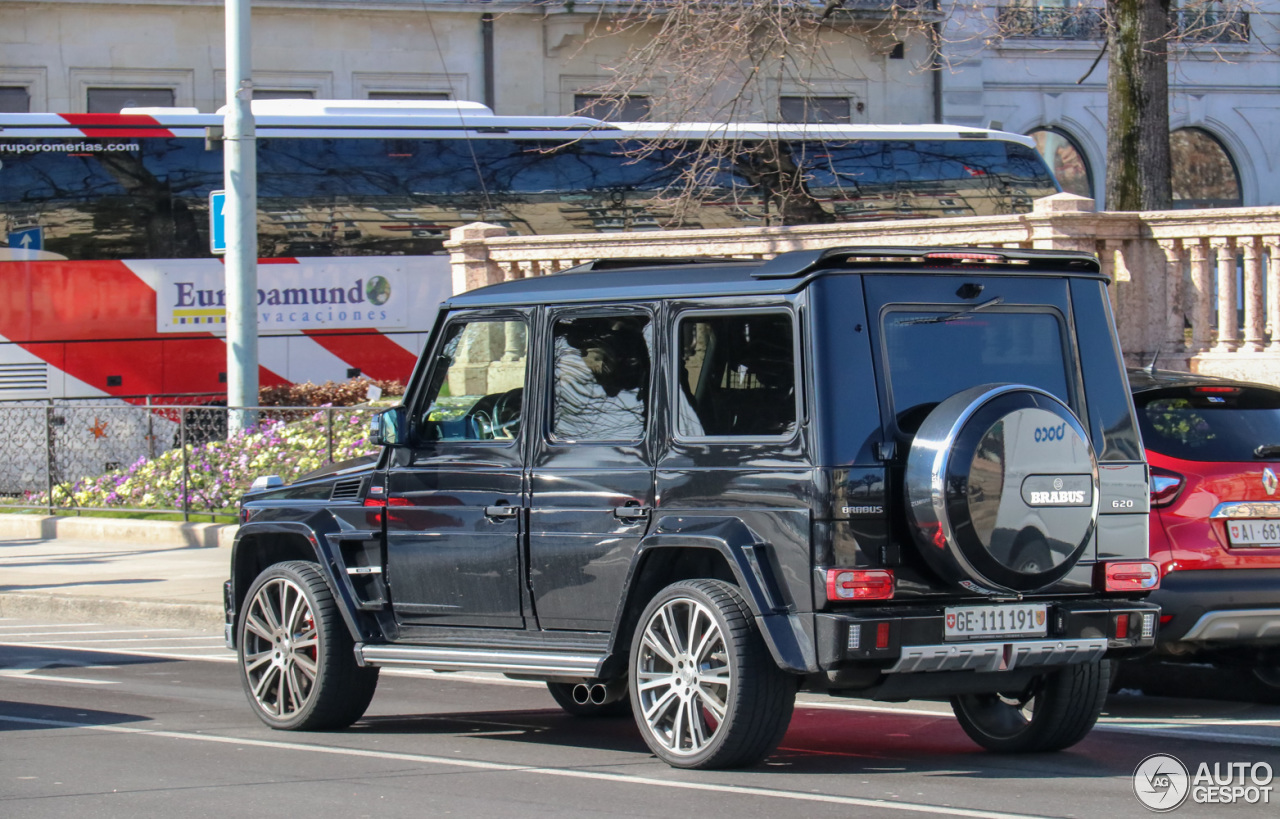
[(1166, 485)]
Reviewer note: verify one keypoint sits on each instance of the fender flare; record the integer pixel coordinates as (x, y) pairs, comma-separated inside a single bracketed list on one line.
[(322, 552), (750, 558)]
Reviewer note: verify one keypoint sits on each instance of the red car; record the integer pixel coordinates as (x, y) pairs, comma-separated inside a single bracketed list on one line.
[(1214, 449)]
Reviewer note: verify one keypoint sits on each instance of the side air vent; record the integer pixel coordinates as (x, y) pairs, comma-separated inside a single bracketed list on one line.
[(346, 490), (23, 377)]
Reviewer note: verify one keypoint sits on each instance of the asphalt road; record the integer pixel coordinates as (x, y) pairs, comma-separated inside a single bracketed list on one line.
[(111, 721)]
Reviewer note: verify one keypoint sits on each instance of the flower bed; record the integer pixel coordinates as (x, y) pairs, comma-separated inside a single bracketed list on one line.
[(218, 472)]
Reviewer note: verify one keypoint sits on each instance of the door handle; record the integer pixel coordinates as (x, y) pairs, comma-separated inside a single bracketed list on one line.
[(630, 513), (501, 511)]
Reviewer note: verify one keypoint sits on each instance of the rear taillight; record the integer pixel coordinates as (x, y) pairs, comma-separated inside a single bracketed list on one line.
[(859, 584), (1127, 576), (1165, 486)]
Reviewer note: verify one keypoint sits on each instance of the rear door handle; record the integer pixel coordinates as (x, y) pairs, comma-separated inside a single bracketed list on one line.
[(629, 513), (501, 511)]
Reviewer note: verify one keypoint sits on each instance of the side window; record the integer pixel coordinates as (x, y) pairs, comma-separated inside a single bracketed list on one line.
[(601, 378), (477, 388), (736, 376)]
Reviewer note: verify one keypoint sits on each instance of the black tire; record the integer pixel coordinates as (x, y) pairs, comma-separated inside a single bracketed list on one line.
[(276, 652), (562, 693), (729, 669), (1063, 705)]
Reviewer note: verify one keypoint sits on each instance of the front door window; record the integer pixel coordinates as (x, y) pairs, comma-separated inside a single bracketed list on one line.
[(477, 391)]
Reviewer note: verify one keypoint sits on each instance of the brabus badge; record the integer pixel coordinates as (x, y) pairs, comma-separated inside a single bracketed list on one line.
[(1269, 481)]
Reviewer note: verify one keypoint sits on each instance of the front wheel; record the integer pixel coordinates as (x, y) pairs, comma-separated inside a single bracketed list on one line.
[(297, 660), (705, 690), (1054, 712)]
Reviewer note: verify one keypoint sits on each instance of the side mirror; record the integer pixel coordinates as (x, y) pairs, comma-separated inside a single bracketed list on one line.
[(389, 428)]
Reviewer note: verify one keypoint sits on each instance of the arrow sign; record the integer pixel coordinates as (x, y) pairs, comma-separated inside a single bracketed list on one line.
[(218, 222), (27, 238)]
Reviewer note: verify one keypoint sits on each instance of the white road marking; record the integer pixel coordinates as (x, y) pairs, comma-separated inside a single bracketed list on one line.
[(26, 675), (78, 633), (50, 625), (569, 773), (225, 656)]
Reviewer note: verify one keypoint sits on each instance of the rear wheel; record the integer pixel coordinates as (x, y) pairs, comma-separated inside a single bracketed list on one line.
[(1055, 712), (704, 688), (297, 660)]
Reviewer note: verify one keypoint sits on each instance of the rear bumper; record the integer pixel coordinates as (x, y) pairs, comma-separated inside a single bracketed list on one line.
[(1219, 608), (1077, 632)]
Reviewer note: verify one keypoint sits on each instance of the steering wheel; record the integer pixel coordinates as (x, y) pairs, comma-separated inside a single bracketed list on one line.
[(483, 422), (506, 413)]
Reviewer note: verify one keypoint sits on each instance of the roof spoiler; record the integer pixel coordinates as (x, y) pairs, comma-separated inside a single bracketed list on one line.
[(799, 262)]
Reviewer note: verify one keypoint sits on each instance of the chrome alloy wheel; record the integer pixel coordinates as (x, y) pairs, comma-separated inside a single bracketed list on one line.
[(280, 650), (683, 676)]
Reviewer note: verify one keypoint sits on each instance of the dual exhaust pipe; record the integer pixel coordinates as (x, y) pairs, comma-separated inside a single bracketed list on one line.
[(599, 693)]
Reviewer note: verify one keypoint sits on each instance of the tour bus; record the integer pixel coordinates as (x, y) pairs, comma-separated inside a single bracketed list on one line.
[(112, 288)]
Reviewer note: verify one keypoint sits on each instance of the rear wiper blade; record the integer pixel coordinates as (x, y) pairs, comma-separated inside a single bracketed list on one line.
[(962, 314), (1267, 451)]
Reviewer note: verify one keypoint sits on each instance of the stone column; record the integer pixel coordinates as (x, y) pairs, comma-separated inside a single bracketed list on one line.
[(1254, 314), (1202, 294), (1175, 337), (469, 256), (1272, 273), (1228, 317)]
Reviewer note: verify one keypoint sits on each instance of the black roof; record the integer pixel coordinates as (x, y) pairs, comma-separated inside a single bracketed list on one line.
[(1145, 379), (610, 279)]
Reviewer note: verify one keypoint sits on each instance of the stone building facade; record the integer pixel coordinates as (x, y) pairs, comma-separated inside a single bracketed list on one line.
[(521, 58), (1026, 66)]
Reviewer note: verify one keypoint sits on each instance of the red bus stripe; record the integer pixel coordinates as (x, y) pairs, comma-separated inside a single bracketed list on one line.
[(97, 319), (377, 356), (117, 125)]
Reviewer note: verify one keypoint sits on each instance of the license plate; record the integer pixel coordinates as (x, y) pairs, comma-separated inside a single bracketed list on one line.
[(1254, 532), (974, 622)]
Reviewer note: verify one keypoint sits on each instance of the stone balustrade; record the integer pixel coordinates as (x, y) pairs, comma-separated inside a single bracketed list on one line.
[(1192, 289)]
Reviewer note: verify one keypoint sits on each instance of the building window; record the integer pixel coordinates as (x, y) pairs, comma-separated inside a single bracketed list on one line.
[(814, 110), (1066, 159), (14, 100), (627, 109), (111, 100), (282, 94), (408, 95), (1204, 174)]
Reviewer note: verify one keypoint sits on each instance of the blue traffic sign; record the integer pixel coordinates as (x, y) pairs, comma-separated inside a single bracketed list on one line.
[(27, 239), (218, 221)]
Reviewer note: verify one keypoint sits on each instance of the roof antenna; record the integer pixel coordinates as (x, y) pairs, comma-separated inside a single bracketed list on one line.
[(1151, 368)]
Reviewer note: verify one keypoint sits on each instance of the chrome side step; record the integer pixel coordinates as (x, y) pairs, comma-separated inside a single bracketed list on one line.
[(998, 656), (480, 659)]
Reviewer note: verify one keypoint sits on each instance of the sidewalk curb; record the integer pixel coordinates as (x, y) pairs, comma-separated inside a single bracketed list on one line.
[(154, 613), (154, 532)]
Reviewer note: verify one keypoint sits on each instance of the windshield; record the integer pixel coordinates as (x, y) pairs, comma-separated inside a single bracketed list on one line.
[(1228, 424)]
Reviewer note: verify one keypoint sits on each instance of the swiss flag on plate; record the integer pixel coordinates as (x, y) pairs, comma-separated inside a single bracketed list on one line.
[(951, 621)]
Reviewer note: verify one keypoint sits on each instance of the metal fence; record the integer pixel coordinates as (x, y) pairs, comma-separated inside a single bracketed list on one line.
[(175, 457)]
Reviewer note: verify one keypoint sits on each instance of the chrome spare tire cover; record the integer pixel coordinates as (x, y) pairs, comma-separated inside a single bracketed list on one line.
[(1002, 489)]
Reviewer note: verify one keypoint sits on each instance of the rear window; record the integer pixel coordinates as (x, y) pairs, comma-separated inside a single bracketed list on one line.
[(934, 354), (1230, 424)]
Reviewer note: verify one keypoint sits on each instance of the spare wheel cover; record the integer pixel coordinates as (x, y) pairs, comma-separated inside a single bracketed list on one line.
[(1002, 489)]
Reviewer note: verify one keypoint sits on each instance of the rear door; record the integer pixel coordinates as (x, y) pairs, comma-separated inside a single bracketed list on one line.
[(592, 478)]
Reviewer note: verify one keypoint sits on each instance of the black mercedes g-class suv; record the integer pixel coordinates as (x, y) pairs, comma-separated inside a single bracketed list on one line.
[(688, 489)]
